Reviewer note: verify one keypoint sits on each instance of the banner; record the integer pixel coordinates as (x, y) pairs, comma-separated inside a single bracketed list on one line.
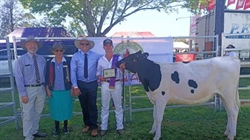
[(240, 4), (184, 57), (247, 4), (230, 2), (160, 51), (211, 5)]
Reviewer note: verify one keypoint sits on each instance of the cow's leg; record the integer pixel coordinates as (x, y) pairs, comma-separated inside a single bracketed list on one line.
[(230, 102), (160, 105), (153, 129)]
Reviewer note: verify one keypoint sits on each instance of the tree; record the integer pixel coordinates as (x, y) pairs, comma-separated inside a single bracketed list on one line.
[(13, 15), (98, 17)]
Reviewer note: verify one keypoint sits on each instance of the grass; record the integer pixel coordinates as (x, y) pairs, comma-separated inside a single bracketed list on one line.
[(192, 123)]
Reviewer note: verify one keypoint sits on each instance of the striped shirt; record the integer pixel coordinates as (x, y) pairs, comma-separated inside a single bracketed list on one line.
[(25, 71), (77, 67)]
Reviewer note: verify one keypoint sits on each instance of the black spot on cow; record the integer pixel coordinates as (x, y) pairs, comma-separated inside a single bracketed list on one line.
[(175, 77), (192, 84), (163, 92)]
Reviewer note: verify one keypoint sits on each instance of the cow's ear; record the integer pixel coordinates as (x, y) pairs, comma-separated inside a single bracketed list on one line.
[(146, 54)]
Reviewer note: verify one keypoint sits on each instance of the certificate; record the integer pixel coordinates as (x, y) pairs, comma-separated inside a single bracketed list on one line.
[(108, 73)]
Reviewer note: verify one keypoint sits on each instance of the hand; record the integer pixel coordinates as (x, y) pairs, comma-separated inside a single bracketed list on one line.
[(49, 93), (25, 99), (122, 66), (101, 78), (77, 91)]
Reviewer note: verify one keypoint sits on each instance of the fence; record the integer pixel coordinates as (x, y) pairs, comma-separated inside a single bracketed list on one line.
[(128, 106)]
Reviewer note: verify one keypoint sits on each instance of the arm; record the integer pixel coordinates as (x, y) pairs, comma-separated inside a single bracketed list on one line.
[(20, 81), (99, 71), (73, 72)]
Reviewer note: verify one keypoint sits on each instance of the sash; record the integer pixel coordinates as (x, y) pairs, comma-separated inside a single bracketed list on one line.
[(112, 80)]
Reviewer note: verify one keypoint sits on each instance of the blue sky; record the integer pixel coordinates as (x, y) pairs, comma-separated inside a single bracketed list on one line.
[(161, 24)]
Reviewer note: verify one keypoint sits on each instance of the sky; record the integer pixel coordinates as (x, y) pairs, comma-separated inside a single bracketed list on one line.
[(160, 24)]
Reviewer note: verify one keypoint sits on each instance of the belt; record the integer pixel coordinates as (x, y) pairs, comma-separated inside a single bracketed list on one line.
[(115, 80), (37, 85)]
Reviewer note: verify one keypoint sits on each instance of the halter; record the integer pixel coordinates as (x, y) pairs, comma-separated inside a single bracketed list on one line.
[(135, 60)]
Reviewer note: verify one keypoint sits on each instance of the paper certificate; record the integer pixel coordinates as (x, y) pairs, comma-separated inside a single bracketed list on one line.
[(108, 73)]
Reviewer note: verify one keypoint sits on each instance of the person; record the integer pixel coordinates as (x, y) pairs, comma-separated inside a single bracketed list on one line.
[(30, 78), (84, 81), (111, 87), (58, 88), (230, 53)]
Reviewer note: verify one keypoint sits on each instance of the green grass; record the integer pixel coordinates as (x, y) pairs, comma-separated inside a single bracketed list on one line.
[(192, 123)]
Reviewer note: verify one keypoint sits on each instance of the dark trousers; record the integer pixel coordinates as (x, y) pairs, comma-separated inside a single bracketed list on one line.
[(87, 100)]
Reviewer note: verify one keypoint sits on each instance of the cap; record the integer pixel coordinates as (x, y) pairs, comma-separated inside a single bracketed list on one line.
[(107, 41)]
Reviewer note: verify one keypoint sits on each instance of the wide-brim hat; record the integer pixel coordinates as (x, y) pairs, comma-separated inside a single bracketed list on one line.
[(230, 46), (57, 45), (29, 39), (78, 40)]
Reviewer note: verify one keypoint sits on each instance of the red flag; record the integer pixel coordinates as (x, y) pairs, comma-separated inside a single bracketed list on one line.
[(247, 4), (230, 2), (211, 5), (240, 4)]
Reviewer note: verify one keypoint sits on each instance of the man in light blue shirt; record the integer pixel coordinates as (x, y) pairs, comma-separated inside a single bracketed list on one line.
[(84, 81), (30, 78)]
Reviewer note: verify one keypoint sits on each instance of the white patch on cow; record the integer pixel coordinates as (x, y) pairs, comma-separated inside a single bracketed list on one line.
[(217, 75)]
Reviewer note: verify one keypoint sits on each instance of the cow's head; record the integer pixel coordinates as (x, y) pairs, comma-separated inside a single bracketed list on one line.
[(132, 60)]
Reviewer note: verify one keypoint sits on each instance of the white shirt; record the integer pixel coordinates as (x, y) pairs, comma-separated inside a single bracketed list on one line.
[(103, 63), (233, 54)]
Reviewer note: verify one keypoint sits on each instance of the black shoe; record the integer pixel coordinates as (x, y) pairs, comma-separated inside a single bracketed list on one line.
[(65, 130), (103, 132), (56, 133), (120, 131), (40, 135)]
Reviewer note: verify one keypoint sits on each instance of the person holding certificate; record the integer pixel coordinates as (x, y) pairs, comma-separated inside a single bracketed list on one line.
[(58, 88), (111, 87)]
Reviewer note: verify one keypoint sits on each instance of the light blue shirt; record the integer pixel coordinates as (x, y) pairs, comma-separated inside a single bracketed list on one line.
[(77, 67), (25, 71), (59, 77)]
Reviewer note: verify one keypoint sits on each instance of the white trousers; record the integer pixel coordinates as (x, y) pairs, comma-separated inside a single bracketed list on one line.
[(31, 112), (116, 95)]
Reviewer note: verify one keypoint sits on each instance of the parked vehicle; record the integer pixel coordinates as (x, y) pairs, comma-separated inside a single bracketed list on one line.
[(4, 64)]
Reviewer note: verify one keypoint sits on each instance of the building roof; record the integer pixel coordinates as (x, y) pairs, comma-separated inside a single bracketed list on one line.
[(38, 32), (133, 34)]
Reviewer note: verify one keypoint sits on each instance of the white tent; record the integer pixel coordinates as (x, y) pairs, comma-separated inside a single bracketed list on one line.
[(180, 45)]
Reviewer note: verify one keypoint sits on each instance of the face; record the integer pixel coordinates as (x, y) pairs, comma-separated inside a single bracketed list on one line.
[(31, 46), (84, 46), (58, 52), (131, 61), (108, 48)]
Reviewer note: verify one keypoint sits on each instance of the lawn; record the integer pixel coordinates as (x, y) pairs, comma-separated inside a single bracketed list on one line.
[(191, 123)]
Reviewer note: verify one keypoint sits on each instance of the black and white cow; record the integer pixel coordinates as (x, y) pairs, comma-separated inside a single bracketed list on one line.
[(188, 83)]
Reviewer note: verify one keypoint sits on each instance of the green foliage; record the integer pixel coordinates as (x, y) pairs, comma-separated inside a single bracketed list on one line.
[(98, 17), (190, 123)]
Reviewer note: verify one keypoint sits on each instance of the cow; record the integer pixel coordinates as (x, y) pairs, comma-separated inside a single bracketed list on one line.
[(187, 83)]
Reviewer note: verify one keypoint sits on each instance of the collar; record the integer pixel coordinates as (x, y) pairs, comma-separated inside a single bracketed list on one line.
[(54, 60)]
